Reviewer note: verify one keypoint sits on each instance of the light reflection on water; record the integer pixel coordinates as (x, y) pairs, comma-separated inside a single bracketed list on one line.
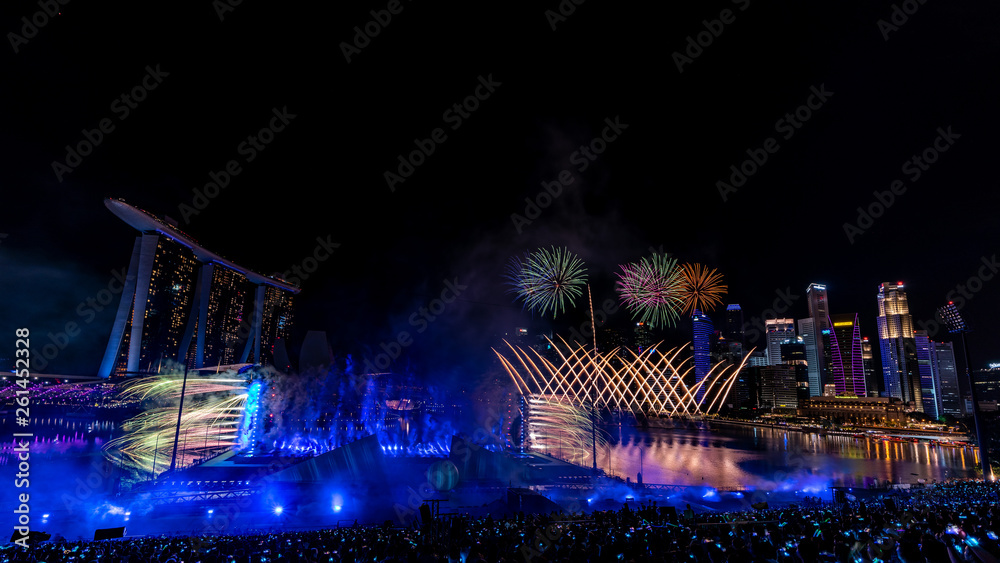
[(731, 456), (54, 435)]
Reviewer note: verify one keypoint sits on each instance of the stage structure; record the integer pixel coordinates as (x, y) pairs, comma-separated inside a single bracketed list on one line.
[(650, 382)]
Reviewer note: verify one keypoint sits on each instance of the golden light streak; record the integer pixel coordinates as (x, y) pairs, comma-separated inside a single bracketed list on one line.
[(651, 382), (213, 409)]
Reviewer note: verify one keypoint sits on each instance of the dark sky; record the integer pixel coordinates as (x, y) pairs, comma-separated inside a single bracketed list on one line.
[(655, 185)]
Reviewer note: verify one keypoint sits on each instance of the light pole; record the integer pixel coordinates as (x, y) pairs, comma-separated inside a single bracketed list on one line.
[(180, 410), (956, 324)]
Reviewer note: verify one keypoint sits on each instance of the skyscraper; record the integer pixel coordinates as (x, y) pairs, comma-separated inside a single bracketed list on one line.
[(703, 330), (900, 373), (793, 352), (778, 386), (643, 336), (949, 397), (845, 353), (778, 331), (807, 330), (184, 303), (872, 378), (819, 312), (926, 369), (733, 331)]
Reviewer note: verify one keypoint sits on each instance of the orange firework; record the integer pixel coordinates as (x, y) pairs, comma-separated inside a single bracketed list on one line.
[(702, 288)]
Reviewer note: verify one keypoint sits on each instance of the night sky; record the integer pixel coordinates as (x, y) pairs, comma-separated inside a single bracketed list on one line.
[(686, 114)]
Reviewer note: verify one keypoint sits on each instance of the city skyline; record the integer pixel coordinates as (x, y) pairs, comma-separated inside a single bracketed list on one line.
[(797, 145)]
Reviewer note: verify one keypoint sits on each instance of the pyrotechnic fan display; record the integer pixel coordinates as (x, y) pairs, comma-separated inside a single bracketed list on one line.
[(649, 382)]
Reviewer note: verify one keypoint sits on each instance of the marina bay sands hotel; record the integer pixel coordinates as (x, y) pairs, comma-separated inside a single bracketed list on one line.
[(184, 303)]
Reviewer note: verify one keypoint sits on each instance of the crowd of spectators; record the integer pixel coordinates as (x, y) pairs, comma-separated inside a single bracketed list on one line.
[(946, 522)]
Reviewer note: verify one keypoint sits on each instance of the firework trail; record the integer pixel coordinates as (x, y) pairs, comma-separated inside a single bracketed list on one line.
[(547, 279), (701, 288), (213, 408), (652, 289)]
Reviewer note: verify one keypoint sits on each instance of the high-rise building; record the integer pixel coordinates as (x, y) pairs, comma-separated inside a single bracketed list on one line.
[(733, 331), (987, 382), (819, 312), (747, 388), (643, 336), (943, 358), (184, 303), (758, 358), (872, 383), (703, 330), (778, 331), (926, 368), (846, 355), (900, 374), (793, 352), (807, 330), (779, 386)]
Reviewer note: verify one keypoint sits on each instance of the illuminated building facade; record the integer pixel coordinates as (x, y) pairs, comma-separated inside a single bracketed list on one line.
[(868, 363), (819, 312), (846, 357), (860, 410), (183, 303), (778, 331), (949, 396), (779, 387), (733, 331), (900, 373), (807, 329), (643, 336), (928, 376), (702, 348)]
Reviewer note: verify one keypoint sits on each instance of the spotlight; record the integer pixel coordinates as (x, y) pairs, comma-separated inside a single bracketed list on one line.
[(278, 510), (337, 507), (210, 511)]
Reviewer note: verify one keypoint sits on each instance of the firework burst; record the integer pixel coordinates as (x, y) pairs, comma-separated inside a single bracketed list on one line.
[(547, 280), (702, 288), (651, 289), (212, 411)]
